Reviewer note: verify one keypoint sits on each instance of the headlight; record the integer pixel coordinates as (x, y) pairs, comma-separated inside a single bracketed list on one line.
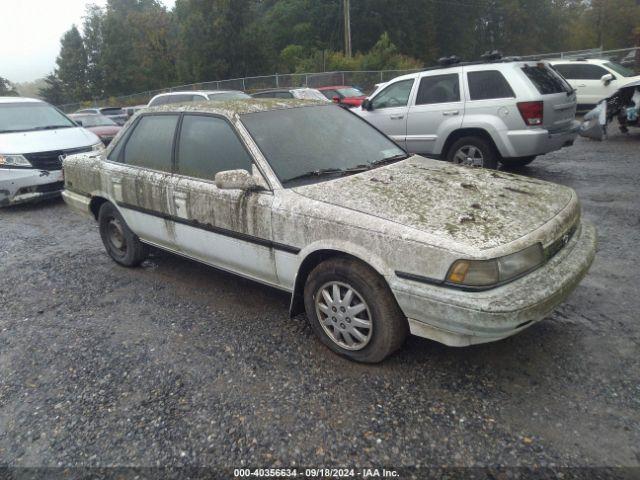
[(14, 161), (487, 273), (98, 147)]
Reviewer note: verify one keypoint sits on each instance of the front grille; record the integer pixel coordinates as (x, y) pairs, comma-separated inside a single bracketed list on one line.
[(51, 160), (557, 245)]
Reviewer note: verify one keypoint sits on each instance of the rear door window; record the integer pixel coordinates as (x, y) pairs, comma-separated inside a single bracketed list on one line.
[(209, 145), (439, 89), (151, 143), (488, 84), (545, 79)]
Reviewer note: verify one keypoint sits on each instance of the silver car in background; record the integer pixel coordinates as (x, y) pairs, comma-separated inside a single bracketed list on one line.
[(478, 114)]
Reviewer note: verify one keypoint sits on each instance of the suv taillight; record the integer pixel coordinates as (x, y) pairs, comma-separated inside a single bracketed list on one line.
[(531, 112)]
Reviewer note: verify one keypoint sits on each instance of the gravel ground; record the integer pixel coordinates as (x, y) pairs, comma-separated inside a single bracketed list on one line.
[(179, 364)]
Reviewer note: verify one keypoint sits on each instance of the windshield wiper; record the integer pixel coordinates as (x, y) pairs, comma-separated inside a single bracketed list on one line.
[(52, 127), (328, 171), (387, 160)]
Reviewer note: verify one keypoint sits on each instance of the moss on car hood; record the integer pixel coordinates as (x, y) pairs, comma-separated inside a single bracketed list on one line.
[(476, 207)]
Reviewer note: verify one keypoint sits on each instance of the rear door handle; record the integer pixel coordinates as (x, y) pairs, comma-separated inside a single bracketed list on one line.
[(396, 116), (451, 113)]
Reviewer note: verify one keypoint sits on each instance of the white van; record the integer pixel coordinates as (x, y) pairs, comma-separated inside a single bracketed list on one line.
[(34, 138)]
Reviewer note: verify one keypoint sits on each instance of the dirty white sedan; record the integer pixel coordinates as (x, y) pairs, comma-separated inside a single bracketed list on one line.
[(371, 242)]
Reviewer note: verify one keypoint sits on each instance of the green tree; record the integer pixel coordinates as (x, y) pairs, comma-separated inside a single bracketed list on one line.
[(72, 65), (92, 29), (7, 89), (53, 92)]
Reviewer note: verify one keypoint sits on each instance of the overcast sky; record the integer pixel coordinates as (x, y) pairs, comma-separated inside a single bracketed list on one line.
[(31, 32)]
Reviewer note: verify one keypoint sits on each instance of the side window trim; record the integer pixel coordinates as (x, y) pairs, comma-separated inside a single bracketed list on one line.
[(176, 145)]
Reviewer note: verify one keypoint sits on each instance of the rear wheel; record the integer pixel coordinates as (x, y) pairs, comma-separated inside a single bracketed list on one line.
[(473, 152), (517, 162), (353, 312), (121, 243)]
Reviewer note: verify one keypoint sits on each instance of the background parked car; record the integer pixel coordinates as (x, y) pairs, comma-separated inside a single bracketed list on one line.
[(196, 96), (477, 114), (116, 114), (344, 95), (624, 105), (130, 111), (34, 138), (102, 126), (301, 93), (593, 79)]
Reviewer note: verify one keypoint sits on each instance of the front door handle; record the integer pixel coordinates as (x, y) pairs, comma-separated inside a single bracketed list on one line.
[(581, 86), (396, 116), (451, 113)]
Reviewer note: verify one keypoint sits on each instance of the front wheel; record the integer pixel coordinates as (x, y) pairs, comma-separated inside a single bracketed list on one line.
[(473, 152), (121, 243), (353, 312)]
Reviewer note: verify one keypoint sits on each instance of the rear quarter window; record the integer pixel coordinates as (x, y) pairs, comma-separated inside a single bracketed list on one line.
[(546, 80), (488, 84)]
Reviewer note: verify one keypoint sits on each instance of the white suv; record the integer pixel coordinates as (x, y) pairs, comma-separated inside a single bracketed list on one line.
[(477, 113), (593, 79)]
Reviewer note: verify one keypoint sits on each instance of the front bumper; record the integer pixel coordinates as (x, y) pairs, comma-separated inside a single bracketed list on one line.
[(538, 141), (20, 185), (458, 318)]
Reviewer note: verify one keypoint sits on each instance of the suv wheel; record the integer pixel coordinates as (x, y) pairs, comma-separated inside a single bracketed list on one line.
[(120, 242), (353, 312), (473, 152)]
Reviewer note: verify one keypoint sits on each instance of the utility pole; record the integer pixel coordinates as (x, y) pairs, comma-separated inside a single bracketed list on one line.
[(347, 29)]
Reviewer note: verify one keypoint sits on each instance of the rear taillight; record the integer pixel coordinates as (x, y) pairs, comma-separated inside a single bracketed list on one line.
[(531, 112)]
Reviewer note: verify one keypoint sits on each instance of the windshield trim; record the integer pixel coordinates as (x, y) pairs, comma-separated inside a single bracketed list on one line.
[(318, 178)]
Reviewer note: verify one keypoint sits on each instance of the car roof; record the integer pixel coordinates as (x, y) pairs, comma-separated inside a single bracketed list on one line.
[(197, 92), (292, 89), (19, 100), (234, 108)]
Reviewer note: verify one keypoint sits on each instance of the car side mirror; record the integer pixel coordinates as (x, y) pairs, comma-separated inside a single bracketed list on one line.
[(336, 99), (607, 78), (235, 180), (367, 105)]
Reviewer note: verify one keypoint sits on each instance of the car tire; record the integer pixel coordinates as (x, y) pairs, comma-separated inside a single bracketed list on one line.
[(517, 162), (473, 152), (370, 318), (121, 243)]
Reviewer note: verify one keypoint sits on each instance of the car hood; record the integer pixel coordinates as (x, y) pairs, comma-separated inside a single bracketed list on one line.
[(46, 140), (473, 208)]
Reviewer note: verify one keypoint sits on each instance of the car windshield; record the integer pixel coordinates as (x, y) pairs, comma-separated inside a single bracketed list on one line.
[(30, 116), (350, 92), (227, 96), (303, 143), (94, 120), (624, 71)]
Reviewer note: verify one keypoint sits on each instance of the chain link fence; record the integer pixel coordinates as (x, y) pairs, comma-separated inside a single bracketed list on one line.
[(365, 80)]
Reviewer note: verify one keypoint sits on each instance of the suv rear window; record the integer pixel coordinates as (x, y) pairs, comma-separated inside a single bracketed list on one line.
[(488, 84), (545, 79)]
